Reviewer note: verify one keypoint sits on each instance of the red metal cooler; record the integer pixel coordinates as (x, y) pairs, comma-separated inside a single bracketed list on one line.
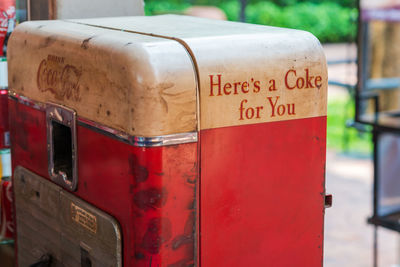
[(6, 220), (167, 141), (7, 23)]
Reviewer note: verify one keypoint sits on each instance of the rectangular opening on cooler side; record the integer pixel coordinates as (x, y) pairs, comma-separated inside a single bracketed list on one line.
[(62, 149)]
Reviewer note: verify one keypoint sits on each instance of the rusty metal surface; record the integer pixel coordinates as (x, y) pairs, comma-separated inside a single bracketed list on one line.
[(121, 80), (56, 223), (244, 71), (4, 127), (259, 198), (142, 141), (151, 192)]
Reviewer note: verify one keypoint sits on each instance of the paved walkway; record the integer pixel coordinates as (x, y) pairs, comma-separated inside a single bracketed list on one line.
[(348, 238)]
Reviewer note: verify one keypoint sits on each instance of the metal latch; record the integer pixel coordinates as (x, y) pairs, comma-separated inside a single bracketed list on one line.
[(44, 261), (85, 258), (328, 201)]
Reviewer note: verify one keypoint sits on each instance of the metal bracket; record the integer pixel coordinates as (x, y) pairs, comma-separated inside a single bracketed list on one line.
[(328, 201), (58, 116)]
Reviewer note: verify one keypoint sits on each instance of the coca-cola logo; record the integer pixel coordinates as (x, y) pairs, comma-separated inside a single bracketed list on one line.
[(7, 19), (59, 78), (3, 20)]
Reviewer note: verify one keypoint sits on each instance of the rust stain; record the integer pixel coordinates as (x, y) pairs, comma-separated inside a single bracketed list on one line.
[(165, 89), (191, 177), (48, 41), (139, 256), (140, 173), (182, 263), (158, 232), (20, 126), (152, 198), (192, 205), (85, 43), (163, 92), (187, 237), (164, 103), (181, 240)]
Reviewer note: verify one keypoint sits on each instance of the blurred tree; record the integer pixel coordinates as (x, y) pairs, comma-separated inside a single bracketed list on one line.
[(328, 21), (345, 3), (242, 14)]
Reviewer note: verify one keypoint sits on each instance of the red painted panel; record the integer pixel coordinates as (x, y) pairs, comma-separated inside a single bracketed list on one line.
[(150, 191), (6, 211), (28, 138), (262, 194), (262, 191), (4, 119)]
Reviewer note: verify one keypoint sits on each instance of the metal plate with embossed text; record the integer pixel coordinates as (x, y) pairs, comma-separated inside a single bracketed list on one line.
[(54, 223)]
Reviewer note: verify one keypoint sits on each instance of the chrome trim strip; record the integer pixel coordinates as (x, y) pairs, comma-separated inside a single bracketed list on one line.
[(142, 141), (139, 141), (102, 128), (27, 101), (165, 140)]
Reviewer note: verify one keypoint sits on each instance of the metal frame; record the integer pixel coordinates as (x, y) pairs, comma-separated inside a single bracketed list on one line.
[(365, 91), (390, 221), (66, 117), (141, 141), (365, 85)]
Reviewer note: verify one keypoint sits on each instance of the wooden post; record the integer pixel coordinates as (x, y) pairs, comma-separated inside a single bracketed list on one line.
[(385, 59)]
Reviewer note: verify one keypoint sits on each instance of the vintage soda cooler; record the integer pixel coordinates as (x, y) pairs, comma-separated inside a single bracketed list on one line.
[(167, 141)]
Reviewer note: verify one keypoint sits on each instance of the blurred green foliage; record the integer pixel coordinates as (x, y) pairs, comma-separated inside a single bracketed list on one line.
[(341, 138), (164, 6), (329, 20), (344, 3)]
